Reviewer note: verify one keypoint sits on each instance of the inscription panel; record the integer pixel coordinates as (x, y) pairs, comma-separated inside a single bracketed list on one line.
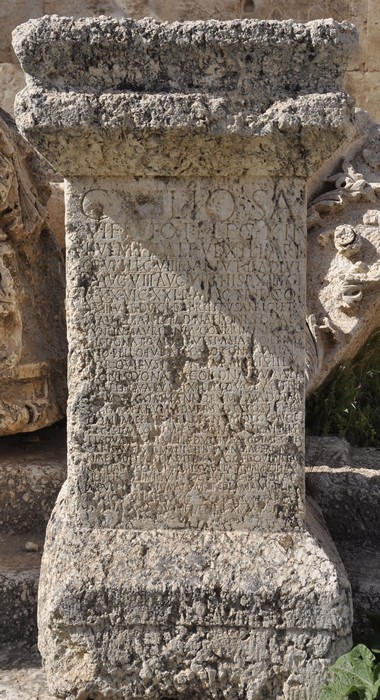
[(188, 409)]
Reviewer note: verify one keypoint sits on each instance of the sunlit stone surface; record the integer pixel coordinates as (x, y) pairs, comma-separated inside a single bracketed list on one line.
[(177, 562)]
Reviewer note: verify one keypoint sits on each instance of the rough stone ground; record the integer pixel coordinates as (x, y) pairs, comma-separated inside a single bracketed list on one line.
[(21, 676)]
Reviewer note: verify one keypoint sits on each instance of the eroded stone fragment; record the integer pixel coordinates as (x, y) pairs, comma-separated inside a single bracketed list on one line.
[(177, 562), (344, 255), (363, 70), (32, 327)]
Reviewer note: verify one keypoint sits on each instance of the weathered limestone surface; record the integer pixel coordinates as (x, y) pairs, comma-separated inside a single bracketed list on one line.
[(32, 330), (362, 77), (177, 561), (344, 256)]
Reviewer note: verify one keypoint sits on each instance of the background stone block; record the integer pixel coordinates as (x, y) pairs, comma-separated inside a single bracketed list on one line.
[(32, 324)]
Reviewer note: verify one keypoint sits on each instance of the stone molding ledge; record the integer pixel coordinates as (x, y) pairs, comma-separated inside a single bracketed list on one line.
[(136, 90)]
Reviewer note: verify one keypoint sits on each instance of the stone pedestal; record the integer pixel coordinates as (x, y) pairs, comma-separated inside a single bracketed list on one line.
[(177, 562)]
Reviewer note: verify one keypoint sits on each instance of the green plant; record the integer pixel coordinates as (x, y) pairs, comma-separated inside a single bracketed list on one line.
[(354, 676), (348, 404)]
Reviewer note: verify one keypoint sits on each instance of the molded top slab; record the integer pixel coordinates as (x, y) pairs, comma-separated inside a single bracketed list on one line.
[(108, 97), (275, 59)]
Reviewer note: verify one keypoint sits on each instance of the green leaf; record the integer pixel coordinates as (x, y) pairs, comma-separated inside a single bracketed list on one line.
[(353, 672), (335, 690)]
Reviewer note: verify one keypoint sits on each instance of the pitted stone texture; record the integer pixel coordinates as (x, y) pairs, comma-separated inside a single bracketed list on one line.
[(205, 104), (192, 293), (362, 78), (362, 565), (345, 482), (187, 58), (32, 330), (222, 615), (177, 561), (198, 137)]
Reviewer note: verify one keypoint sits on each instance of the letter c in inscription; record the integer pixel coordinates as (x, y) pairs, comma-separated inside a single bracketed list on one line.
[(94, 204)]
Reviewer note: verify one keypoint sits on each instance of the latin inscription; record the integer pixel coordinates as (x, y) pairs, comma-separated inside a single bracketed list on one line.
[(193, 296)]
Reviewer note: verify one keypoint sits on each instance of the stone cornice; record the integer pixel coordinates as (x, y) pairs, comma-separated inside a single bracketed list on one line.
[(150, 99), (242, 56)]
